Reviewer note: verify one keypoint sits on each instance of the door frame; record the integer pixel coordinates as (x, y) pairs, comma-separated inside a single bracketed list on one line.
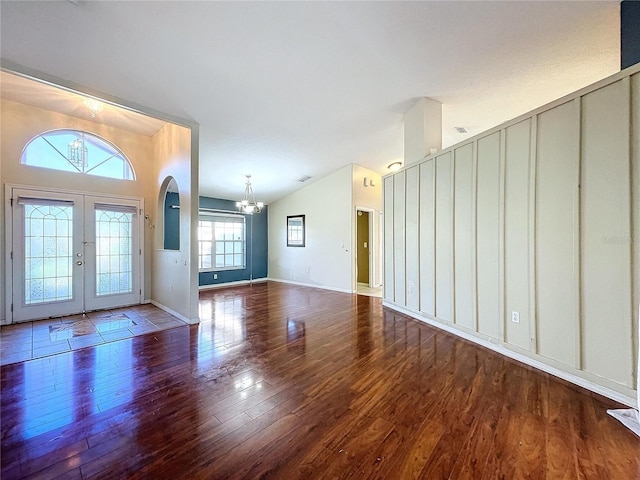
[(9, 210), (374, 246)]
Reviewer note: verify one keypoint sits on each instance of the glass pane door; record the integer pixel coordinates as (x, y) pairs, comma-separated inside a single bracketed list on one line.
[(112, 244), (73, 253), (47, 254)]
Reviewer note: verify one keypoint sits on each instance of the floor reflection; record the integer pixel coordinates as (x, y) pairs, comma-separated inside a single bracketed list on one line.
[(65, 389), (364, 330), (296, 336), (222, 323)]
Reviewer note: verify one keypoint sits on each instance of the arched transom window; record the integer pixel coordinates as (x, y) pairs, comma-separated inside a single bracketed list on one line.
[(78, 152)]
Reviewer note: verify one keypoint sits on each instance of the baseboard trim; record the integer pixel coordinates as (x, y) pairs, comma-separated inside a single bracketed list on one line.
[(192, 321), (302, 284), (498, 348), (231, 284)]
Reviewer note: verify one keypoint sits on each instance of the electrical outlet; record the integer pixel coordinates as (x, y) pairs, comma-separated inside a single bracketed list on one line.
[(215, 276), (515, 317)]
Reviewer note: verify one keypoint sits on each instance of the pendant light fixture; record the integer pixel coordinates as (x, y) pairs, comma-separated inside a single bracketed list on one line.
[(248, 204)]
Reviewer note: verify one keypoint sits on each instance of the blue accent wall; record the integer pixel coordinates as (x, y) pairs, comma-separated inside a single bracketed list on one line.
[(171, 222), (629, 33), (257, 245)]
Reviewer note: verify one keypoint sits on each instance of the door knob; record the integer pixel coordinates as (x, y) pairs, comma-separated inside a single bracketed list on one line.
[(79, 262)]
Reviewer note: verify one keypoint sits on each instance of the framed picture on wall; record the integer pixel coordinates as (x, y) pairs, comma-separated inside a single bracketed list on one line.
[(296, 233)]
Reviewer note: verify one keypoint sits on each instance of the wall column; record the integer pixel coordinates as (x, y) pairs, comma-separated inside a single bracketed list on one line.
[(422, 130)]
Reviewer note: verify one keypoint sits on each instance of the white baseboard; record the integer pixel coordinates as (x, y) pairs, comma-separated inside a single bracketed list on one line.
[(323, 287), (192, 321), (499, 348), (231, 284)]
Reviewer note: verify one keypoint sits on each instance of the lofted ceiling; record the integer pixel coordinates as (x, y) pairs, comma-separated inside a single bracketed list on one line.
[(287, 89)]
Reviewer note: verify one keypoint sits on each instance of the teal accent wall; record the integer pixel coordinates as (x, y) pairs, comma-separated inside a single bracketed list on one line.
[(257, 245), (171, 222), (629, 33)]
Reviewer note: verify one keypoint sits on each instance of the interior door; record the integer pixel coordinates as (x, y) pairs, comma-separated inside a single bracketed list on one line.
[(73, 253), (363, 247)]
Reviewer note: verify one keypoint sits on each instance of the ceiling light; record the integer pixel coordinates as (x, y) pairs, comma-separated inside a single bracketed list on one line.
[(94, 106), (248, 204), (394, 166)]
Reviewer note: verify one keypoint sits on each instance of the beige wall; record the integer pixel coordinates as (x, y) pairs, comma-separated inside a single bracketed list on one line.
[(175, 272), (20, 123), (533, 217)]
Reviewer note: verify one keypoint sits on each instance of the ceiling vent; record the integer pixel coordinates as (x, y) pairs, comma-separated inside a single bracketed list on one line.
[(304, 178), (461, 130)]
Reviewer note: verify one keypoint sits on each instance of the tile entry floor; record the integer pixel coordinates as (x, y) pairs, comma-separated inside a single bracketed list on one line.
[(364, 289), (40, 338)]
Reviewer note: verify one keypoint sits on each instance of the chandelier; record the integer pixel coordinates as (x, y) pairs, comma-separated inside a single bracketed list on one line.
[(78, 154), (94, 106), (248, 204)]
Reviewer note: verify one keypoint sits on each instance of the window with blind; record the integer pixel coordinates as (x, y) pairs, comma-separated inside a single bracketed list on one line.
[(221, 242)]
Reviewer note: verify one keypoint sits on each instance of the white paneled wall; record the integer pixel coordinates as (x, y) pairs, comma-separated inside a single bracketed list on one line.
[(399, 248), (427, 238), (488, 234), (388, 201), (517, 234), (444, 237), (411, 241), (557, 232), (605, 229), (536, 218), (464, 237)]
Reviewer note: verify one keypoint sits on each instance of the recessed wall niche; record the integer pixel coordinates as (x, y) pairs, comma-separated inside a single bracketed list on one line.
[(169, 211)]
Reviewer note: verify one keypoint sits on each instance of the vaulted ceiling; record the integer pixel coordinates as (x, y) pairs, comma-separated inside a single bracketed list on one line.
[(286, 89)]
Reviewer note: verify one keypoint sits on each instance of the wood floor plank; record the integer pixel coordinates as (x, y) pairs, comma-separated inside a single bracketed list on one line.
[(286, 382)]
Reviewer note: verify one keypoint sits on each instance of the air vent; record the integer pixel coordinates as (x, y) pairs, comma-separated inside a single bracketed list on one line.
[(304, 178), (461, 130)]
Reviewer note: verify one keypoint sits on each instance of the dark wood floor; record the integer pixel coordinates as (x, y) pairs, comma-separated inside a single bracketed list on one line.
[(288, 382)]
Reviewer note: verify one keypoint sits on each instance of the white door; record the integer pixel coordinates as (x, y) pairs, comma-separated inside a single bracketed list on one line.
[(73, 253), (112, 253)]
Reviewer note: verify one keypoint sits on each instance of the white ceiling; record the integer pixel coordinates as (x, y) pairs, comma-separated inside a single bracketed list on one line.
[(287, 89)]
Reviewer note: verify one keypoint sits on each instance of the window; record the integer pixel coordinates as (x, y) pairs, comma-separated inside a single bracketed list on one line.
[(221, 242), (77, 152)]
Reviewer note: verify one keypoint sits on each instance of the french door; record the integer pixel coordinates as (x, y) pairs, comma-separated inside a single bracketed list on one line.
[(73, 253)]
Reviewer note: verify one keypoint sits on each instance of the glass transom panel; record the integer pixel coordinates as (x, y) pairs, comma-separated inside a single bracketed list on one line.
[(77, 152)]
